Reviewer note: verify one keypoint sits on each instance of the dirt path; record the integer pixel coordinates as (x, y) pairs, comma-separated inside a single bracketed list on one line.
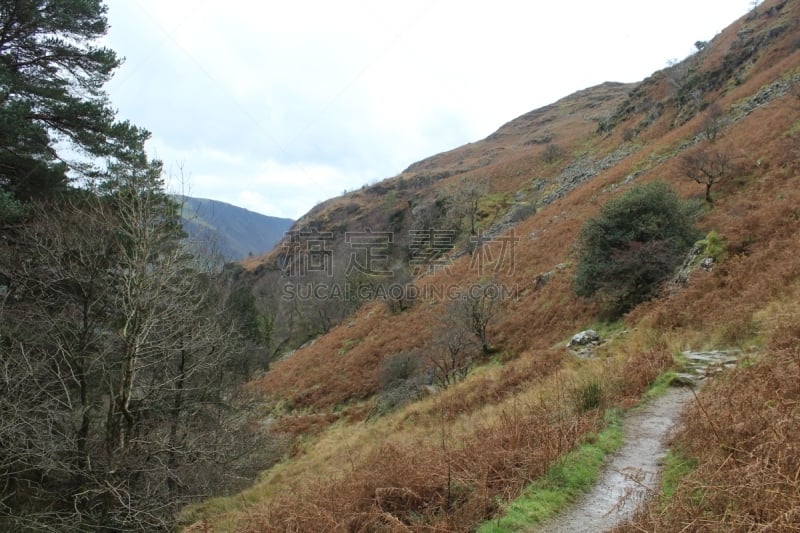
[(631, 472)]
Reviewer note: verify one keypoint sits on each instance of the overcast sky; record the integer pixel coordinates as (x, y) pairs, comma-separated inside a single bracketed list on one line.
[(275, 106)]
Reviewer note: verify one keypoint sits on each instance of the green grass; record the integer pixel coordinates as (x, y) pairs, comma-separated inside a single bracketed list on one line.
[(571, 476), (676, 467), (663, 383), (609, 329), (578, 471), (590, 396)]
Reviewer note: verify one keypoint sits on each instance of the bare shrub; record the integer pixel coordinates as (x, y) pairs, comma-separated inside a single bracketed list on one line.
[(552, 153), (713, 122), (454, 349), (628, 134), (400, 381)]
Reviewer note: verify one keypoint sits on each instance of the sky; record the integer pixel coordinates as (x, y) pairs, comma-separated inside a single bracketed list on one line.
[(276, 106)]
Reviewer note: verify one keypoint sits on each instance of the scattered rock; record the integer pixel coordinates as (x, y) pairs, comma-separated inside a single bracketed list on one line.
[(584, 352), (584, 343), (683, 379), (764, 96), (681, 278), (539, 139), (584, 338), (583, 169), (542, 279)]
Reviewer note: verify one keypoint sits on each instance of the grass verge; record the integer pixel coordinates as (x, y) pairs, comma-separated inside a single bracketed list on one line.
[(663, 383), (676, 466), (579, 470), (572, 475)]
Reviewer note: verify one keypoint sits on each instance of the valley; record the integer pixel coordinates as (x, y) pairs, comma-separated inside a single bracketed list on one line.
[(384, 442)]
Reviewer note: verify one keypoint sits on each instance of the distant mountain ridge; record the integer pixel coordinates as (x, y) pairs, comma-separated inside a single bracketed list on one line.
[(231, 231)]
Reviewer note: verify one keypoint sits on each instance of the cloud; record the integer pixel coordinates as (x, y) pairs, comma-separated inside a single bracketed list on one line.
[(278, 105), (263, 184), (277, 189)]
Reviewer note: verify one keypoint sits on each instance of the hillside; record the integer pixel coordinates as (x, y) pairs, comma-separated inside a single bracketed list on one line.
[(231, 231), (370, 454), (533, 159)]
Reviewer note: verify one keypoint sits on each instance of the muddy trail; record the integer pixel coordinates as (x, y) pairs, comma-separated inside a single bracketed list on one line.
[(632, 472)]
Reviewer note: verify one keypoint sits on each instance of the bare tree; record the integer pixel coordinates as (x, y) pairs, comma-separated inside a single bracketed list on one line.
[(461, 335), (476, 310), (454, 353), (713, 122), (114, 402), (466, 197), (708, 166)]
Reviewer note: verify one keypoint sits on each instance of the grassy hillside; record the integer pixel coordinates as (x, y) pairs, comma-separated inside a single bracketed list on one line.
[(231, 231), (453, 457)]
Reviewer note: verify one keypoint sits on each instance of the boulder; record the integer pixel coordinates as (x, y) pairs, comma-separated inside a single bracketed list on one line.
[(584, 338)]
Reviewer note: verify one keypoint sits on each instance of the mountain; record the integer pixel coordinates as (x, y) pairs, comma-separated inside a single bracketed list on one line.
[(231, 231), (380, 441)]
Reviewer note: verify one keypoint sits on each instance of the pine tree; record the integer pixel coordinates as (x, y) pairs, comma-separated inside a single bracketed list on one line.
[(55, 119)]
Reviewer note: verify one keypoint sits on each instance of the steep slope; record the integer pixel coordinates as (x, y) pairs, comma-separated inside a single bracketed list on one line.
[(449, 459), (535, 155), (231, 231)]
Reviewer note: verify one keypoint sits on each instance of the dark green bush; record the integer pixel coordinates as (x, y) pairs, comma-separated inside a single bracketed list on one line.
[(637, 241)]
